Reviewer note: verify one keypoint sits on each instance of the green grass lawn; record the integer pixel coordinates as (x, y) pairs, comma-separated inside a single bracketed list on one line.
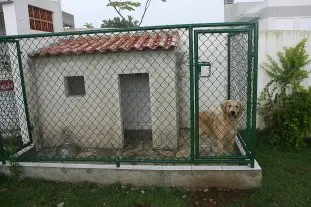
[(286, 182), (286, 179), (41, 193)]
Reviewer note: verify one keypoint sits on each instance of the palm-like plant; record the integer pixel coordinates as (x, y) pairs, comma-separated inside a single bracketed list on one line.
[(88, 25), (289, 72), (285, 104)]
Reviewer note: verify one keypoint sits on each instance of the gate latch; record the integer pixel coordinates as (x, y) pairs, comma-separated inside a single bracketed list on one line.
[(205, 69)]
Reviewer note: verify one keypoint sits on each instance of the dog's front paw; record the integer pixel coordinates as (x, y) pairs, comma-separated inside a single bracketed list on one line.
[(230, 149)]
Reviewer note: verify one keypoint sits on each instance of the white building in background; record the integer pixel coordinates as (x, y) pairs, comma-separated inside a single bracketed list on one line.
[(19, 17), (271, 14), (282, 23), (33, 16)]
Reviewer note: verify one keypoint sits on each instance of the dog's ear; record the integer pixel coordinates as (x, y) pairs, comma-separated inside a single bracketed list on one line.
[(224, 105), (242, 106)]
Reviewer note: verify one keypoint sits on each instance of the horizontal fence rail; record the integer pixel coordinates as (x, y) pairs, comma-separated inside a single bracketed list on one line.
[(149, 94)]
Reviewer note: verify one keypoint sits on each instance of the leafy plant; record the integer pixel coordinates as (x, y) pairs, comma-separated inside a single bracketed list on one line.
[(88, 25), (285, 104), (122, 20), (117, 22), (12, 141)]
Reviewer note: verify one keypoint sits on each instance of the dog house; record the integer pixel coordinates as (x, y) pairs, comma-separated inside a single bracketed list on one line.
[(97, 87)]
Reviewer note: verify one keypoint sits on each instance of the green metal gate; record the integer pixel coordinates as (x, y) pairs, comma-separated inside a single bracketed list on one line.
[(225, 63)]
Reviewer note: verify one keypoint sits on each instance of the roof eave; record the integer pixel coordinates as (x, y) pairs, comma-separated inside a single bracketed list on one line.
[(6, 1)]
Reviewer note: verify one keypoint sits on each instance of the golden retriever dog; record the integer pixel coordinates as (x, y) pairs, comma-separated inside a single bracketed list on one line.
[(221, 127)]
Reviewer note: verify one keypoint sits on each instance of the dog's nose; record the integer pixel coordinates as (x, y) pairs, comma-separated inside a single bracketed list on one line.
[(232, 112)]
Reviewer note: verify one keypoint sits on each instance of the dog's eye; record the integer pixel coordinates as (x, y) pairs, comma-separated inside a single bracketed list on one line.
[(236, 106), (230, 106)]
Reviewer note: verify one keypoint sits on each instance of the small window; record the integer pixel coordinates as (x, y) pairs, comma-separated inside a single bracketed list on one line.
[(40, 19), (74, 86)]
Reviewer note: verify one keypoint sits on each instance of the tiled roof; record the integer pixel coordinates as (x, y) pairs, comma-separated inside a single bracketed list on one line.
[(102, 44)]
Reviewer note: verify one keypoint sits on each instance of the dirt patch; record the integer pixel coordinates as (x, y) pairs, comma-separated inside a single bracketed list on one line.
[(216, 197)]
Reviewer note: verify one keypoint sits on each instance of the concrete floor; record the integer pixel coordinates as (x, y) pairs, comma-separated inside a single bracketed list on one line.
[(138, 144)]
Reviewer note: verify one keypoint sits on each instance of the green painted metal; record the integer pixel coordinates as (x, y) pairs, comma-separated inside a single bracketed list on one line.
[(229, 31), (118, 163), (229, 65), (179, 26), (2, 158), (255, 83), (249, 91), (192, 127), (240, 138), (21, 73), (197, 77), (196, 94)]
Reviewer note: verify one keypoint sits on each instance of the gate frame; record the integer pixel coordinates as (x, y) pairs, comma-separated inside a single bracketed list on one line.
[(196, 85), (245, 160)]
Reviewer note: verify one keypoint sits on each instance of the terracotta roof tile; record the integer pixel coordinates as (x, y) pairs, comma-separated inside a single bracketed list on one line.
[(96, 44)]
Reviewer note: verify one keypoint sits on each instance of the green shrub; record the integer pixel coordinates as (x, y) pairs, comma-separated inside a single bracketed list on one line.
[(12, 142), (285, 105)]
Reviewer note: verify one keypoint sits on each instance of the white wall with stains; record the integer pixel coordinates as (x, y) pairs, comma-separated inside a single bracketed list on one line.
[(95, 119), (16, 15)]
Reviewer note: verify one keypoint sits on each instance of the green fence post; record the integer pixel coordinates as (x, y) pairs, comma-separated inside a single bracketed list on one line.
[(191, 93), (255, 78), (1, 150), (229, 65), (249, 91), (196, 94), (21, 73)]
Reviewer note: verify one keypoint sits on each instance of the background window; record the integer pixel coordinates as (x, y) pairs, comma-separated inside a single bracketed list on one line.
[(40, 19), (74, 86)]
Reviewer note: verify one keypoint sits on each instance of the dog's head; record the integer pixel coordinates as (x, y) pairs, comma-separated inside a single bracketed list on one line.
[(232, 109)]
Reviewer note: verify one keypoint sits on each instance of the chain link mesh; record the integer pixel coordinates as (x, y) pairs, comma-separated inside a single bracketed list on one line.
[(128, 102)]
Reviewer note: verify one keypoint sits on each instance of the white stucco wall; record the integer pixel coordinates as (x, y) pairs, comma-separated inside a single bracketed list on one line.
[(95, 120), (10, 21), (237, 9), (286, 23), (16, 15), (272, 14), (263, 23), (213, 90), (288, 2)]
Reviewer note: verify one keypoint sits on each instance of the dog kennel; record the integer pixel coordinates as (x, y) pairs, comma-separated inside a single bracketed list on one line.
[(131, 95)]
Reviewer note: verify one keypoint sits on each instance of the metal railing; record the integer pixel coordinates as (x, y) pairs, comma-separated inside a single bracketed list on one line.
[(131, 95)]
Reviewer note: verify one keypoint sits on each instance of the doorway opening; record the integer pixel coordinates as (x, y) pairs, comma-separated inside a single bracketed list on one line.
[(136, 111)]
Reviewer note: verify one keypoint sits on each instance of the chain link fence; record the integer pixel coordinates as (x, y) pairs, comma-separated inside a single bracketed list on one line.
[(129, 95)]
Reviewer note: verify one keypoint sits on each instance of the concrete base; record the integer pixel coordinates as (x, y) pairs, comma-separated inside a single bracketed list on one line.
[(185, 176)]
